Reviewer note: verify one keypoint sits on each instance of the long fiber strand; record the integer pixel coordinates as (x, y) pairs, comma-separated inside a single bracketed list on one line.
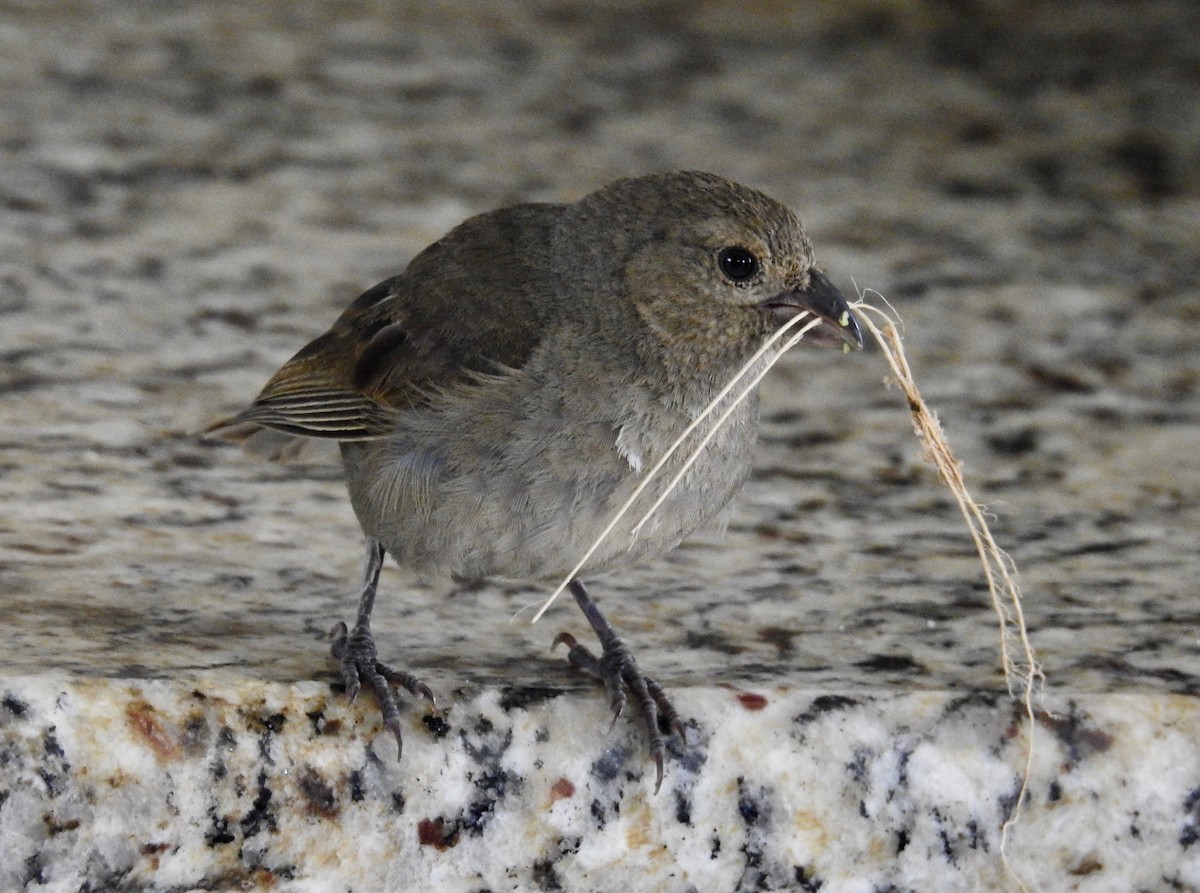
[(657, 467), (998, 566)]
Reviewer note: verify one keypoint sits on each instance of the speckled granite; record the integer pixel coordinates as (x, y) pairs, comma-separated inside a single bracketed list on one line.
[(263, 785), (191, 192)]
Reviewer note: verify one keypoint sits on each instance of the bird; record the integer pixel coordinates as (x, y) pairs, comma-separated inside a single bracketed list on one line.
[(496, 401)]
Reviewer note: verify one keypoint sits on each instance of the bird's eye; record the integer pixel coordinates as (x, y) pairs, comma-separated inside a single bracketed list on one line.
[(737, 264)]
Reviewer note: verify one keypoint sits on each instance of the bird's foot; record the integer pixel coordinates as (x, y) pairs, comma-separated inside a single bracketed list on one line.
[(354, 649), (618, 670)]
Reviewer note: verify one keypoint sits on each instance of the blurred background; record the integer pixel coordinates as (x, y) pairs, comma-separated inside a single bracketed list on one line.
[(191, 191)]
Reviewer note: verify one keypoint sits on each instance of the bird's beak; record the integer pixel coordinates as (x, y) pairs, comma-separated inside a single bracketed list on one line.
[(822, 299)]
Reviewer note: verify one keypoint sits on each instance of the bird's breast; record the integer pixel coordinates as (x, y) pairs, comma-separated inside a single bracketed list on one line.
[(519, 482)]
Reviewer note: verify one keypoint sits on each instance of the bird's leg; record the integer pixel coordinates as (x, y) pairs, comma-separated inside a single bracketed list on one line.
[(617, 669), (354, 650)]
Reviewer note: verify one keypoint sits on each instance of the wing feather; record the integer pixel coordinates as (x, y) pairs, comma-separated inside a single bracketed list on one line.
[(471, 302)]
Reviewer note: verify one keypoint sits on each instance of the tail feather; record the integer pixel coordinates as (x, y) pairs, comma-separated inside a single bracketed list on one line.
[(264, 442)]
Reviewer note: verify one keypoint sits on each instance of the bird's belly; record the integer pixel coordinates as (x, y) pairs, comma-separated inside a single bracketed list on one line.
[(529, 504)]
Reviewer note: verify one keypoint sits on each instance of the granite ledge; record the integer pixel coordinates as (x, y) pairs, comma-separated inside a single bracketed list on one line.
[(215, 783)]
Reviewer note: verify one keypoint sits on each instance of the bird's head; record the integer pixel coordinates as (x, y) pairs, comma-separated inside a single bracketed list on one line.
[(711, 267)]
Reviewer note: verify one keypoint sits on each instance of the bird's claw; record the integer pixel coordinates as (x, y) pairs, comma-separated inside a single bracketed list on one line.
[(356, 655), (618, 670)]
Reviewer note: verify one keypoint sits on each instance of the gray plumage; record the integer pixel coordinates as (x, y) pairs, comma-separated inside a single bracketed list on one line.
[(498, 400)]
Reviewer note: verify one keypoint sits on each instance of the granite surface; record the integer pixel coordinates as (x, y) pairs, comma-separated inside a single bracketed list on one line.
[(192, 191), (232, 785)]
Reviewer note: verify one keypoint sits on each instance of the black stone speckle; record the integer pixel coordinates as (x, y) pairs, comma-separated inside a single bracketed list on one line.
[(437, 726), (608, 765), (807, 882), (34, 872), (14, 705), (824, 704), (218, 832), (545, 876), (1191, 819), (890, 663), (526, 696), (260, 817), (683, 808), (319, 797)]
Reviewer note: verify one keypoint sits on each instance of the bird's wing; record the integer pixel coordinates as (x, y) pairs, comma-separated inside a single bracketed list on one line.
[(467, 305)]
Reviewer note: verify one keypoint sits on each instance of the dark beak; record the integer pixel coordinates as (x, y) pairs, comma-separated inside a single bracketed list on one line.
[(821, 298)]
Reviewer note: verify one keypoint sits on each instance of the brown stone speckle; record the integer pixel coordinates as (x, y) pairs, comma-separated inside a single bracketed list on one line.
[(561, 789), (751, 700), (141, 719)]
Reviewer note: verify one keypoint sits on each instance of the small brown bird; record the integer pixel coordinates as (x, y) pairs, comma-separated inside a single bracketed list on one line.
[(497, 401)]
